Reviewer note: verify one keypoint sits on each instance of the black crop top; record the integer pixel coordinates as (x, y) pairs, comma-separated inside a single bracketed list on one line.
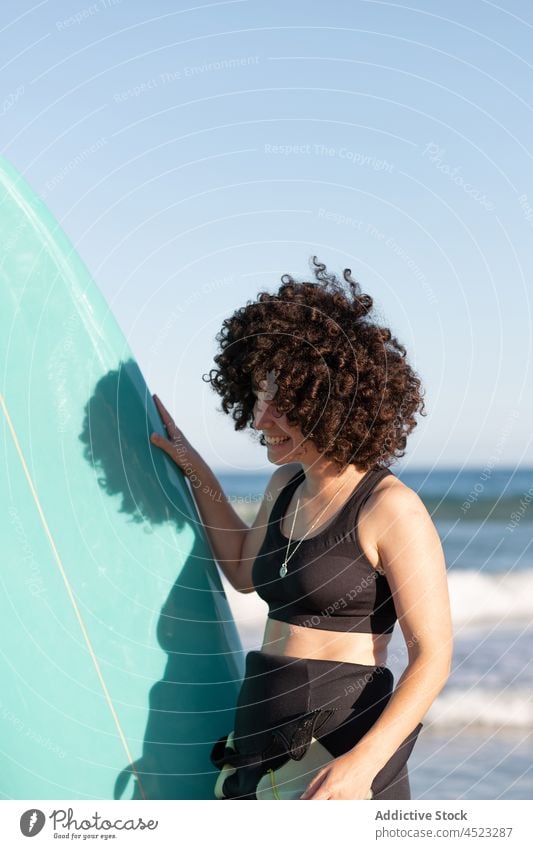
[(330, 582)]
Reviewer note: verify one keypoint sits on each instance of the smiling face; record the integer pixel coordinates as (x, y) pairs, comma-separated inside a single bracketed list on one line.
[(285, 441)]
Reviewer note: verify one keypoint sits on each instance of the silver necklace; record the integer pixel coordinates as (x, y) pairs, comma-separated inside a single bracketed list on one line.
[(283, 569)]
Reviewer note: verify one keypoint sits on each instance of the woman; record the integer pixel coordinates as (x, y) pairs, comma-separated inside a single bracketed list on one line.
[(340, 548)]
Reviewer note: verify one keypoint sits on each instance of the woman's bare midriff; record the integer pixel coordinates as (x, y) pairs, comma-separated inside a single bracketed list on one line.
[(319, 644)]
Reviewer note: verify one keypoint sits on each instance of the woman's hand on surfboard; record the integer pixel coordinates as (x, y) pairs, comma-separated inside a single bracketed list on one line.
[(177, 446)]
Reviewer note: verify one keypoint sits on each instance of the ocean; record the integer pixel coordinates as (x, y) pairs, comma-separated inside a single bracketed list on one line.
[(477, 739)]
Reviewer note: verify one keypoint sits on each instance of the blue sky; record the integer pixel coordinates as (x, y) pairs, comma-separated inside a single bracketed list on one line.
[(194, 152)]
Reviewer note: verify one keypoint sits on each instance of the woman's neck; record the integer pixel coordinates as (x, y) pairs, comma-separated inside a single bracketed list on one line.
[(322, 480)]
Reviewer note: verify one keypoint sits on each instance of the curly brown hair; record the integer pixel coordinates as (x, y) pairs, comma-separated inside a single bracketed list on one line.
[(341, 377)]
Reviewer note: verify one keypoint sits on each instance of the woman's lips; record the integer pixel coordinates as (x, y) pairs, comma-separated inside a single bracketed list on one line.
[(284, 440)]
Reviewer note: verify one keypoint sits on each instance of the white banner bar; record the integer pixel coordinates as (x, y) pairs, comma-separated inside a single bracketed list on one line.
[(196, 824)]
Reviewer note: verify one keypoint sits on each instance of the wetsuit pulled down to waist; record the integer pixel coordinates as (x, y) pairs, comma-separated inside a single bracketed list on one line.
[(295, 715)]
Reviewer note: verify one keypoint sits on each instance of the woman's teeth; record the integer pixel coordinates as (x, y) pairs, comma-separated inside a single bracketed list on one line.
[(270, 440)]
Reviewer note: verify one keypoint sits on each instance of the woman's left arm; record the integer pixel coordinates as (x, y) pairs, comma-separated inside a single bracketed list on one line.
[(411, 556)]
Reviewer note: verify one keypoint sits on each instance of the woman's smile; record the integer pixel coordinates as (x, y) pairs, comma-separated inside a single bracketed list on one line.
[(276, 440)]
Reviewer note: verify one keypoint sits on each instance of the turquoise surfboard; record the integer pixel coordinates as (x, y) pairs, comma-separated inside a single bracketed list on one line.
[(120, 662)]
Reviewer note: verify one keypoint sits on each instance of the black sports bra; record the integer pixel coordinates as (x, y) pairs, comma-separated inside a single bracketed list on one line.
[(330, 583)]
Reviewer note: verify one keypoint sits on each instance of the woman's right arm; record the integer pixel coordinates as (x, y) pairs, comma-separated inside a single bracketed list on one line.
[(234, 544)]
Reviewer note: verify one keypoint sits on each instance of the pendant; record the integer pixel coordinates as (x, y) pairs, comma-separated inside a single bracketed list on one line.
[(283, 570)]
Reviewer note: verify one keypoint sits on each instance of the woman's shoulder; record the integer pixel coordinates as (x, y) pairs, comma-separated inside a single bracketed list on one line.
[(393, 513), (392, 499)]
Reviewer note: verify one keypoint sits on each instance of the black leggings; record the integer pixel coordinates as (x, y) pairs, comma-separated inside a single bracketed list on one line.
[(286, 704)]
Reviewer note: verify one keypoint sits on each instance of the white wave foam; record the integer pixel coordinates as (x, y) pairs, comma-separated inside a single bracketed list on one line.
[(509, 708), (477, 597)]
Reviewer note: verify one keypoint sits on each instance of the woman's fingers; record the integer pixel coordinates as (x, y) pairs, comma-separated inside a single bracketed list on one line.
[(168, 447), (166, 418), (163, 443), (177, 445), (169, 425)]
